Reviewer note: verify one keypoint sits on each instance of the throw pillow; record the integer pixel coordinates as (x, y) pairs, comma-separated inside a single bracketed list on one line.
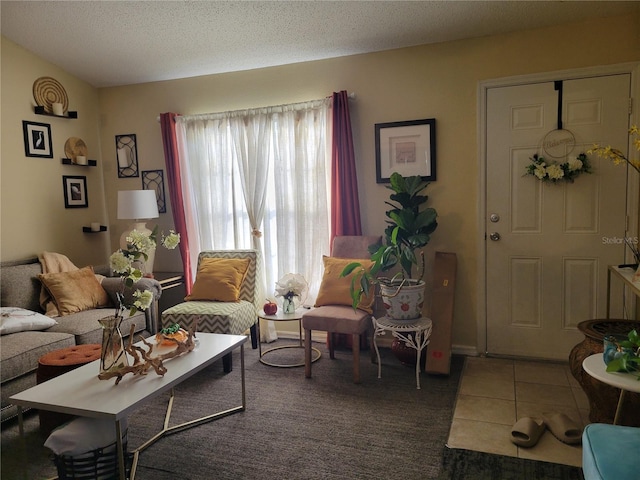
[(15, 319), (219, 279), (335, 290), (75, 291)]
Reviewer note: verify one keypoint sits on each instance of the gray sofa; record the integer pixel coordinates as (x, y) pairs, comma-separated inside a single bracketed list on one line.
[(19, 352)]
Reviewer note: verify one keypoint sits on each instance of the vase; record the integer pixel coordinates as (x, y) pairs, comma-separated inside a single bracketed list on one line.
[(288, 305), (112, 356)]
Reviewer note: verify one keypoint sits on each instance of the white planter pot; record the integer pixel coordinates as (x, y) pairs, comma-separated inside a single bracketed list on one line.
[(405, 304)]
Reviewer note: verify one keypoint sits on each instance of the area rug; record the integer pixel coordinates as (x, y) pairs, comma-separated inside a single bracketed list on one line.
[(325, 427)]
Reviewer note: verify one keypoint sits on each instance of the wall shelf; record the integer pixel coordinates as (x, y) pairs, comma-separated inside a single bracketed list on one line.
[(103, 228), (39, 110), (91, 163)]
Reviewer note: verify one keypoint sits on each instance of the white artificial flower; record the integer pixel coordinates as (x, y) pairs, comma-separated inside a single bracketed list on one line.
[(540, 171), (555, 172), (143, 299), (575, 164), (140, 242), (119, 262), (171, 241)]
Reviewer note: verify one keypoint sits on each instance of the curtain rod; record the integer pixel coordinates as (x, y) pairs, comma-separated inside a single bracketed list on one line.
[(352, 96)]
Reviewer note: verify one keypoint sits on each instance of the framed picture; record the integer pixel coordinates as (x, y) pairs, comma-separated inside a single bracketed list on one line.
[(154, 180), (75, 191), (37, 139), (127, 155), (408, 148)]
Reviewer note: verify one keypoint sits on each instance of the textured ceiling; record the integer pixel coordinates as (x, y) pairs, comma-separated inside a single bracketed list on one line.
[(110, 43)]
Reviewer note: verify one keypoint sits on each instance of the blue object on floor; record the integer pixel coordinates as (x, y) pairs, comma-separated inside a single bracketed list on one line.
[(610, 452)]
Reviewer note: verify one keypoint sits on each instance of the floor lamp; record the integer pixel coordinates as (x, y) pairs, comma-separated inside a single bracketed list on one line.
[(139, 206)]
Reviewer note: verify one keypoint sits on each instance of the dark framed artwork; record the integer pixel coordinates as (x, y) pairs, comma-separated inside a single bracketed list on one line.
[(37, 139), (75, 191), (127, 155), (154, 180), (408, 148)]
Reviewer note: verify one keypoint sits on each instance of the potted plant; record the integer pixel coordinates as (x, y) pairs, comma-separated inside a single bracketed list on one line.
[(409, 229)]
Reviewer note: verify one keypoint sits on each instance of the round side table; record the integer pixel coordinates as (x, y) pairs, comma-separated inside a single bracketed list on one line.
[(414, 333), (286, 317)]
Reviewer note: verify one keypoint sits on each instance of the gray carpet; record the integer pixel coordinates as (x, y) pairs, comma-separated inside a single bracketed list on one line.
[(294, 428)]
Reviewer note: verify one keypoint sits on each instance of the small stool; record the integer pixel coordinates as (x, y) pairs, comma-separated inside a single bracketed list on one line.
[(54, 364), (610, 451)]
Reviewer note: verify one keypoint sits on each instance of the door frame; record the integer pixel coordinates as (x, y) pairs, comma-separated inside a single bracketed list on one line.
[(633, 182)]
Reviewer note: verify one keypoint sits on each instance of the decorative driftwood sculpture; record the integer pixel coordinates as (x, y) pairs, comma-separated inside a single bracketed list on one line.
[(143, 359)]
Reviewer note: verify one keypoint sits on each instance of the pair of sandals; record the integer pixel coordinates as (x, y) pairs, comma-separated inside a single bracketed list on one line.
[(527, 431)]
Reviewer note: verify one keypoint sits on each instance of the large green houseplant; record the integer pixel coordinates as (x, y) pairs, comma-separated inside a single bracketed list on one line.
[(409, 229)]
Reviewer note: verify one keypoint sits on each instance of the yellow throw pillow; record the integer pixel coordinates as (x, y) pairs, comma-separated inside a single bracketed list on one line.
[(75, 291), (335, 290), (219, 279)]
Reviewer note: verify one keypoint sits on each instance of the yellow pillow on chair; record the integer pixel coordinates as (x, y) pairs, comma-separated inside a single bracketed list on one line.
[(335, 290), (219, 279)]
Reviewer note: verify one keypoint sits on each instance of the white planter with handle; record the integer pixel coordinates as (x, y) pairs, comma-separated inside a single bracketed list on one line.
[(403, 302)]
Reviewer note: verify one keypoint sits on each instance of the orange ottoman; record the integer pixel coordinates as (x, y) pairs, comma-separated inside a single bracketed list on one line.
[(54, 364)]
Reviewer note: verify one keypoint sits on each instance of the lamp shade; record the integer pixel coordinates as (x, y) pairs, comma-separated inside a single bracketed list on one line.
[(137, 204)]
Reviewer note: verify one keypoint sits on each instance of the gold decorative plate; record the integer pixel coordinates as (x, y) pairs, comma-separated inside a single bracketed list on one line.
[(46, 91), (73, 147)]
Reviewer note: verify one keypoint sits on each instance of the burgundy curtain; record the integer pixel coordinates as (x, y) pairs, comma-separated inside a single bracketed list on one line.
[(345, 206), (172, 162)]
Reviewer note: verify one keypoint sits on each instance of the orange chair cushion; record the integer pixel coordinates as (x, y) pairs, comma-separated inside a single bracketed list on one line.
[(219, 279), (335, 290)]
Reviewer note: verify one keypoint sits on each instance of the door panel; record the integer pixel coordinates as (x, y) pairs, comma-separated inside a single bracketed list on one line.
[(546, 272)]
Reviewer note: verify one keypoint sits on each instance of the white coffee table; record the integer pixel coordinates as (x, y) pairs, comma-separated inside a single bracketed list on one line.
[(279, 316), (81, 393), (594, 365)]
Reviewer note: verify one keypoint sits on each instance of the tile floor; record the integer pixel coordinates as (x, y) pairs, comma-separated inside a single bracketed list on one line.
[(494, 393)]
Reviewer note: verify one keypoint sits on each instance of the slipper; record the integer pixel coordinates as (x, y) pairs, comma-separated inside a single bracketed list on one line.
[(563, 428), (527, 431)]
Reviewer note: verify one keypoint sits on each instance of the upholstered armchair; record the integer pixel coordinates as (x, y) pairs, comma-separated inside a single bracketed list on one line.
[(224, 298), (340, 317)]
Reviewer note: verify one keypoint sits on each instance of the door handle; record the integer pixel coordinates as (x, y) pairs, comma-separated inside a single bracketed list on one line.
[(495, 236)]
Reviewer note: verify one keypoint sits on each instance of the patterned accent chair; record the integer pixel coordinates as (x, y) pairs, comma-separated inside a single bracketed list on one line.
[(232, 318)]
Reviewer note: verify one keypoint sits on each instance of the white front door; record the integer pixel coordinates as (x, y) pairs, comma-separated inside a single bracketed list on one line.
[(548, 246)]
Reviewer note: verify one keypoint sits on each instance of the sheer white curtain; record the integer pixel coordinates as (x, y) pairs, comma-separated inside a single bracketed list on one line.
[(258, 179)]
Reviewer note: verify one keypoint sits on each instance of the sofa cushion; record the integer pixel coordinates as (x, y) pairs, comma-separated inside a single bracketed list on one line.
[(219, 279), (75, 291), (84, 326), (19, 352), (16, 319), (20, 286)]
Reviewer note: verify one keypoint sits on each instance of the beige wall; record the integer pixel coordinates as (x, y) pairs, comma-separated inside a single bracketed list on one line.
[(434, 81), (33, 215)]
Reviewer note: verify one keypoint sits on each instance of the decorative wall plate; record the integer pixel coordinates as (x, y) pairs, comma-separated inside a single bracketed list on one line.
[(47, 90), (73, 147)]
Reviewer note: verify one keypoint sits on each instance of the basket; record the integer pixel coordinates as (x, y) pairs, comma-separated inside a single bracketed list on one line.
[(99, 464)]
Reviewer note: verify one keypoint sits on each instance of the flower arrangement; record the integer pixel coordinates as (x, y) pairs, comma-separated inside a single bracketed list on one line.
[(289, 287), (127, 263), (616, 155), (550, 171)]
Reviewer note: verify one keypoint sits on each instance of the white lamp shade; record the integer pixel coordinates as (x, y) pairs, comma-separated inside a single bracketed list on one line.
[(137, 204)]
